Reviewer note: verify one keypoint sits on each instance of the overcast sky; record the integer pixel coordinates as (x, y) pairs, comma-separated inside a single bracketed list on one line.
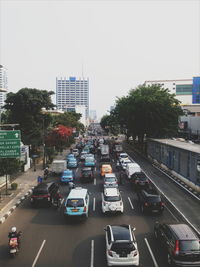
[(117, 44)]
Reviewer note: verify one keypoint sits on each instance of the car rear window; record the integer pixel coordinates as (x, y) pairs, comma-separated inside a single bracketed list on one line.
[(154, 199), (189, 245), (123, 246), (112, 198), (110, 180), (40, 192), (86, 173), (76, 202)]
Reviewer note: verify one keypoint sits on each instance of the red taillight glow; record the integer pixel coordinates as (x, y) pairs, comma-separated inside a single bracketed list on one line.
[(177, 249), (146, 204), (84, 209), (162, 204)]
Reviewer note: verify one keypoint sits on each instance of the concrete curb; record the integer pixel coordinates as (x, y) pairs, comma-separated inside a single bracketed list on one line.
[(8, 213)]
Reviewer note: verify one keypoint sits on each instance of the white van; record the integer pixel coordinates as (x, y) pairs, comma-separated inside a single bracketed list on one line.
[(131, 168), (77, 203)]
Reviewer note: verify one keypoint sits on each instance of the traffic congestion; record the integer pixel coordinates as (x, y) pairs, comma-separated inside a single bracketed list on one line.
[(98, 207)]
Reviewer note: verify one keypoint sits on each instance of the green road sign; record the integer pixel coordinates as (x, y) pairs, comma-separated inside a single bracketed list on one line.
[(10, 144)]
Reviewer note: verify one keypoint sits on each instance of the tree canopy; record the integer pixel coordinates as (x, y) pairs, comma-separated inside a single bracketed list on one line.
[(147, 110)]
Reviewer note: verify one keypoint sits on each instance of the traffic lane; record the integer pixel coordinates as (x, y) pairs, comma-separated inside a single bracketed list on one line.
[(181, 199)]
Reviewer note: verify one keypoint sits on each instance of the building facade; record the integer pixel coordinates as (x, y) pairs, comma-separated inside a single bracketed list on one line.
[(187, 91), (93, 115), (73, 92), (3, 85)]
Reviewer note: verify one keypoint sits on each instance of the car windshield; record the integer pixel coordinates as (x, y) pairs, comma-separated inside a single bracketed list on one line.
[(123, 246), (75, 202), (188, 245), (86, 173), (112, 198)]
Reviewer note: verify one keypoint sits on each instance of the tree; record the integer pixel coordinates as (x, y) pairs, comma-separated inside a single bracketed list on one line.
[(24, 107), (8, 167), (150, 111)]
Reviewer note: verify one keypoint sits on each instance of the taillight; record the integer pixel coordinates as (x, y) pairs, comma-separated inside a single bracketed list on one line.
[(120, 203), (110, 253), (162, 204), (146, 204), (177, 249), (135, 253), (84, 209)]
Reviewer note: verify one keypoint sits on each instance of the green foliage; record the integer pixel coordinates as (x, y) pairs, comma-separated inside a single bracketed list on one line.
[(109, 123), (9, 166), (69, 119), (24, 107), (14, 186), (150, 111)]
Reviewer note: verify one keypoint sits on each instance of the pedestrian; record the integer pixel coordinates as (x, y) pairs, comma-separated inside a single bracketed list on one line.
[(39, 179)]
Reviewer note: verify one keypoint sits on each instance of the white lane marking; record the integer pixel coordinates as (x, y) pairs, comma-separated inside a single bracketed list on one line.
[(92, 254), (62, 201), (76, 170), (95, 181), (130, 203), (151, 253), (38, 254), (94, 204), (174, 206)]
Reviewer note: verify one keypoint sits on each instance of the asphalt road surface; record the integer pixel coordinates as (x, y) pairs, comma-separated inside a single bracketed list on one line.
[(49, 239)]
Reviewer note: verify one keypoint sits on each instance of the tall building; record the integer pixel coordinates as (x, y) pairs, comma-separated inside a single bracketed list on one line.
[(3, 86), (187, 91), (72, 93), (93, 115)]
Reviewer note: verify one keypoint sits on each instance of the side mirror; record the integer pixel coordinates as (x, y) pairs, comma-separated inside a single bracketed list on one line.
[(104, 229), (133, 228)]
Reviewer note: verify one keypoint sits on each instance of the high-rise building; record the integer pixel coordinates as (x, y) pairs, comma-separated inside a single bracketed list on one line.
[(73, 92), (187, 91), (93, 115), (3, 85)]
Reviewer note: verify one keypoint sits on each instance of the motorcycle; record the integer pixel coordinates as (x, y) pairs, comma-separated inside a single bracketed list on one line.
[(14, 246)]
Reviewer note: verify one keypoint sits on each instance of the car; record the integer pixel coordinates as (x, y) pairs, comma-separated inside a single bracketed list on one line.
[(71, 163), (87, 174), (89, 161), (110, 180), (112, 201), (179, 242), (77, 203), (124, 163), (83, 155), (121, 245), (105, 168), (67, 176), (139, 180), (69, 156), (105, 159), (150, 200), (44, 193), (123, 156), (75, 152)]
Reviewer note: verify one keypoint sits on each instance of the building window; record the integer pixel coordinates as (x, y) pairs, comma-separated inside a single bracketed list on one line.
[(184, 89)]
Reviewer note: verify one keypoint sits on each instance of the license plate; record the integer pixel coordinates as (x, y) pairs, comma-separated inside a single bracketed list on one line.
[(13, 250), (74, 210)]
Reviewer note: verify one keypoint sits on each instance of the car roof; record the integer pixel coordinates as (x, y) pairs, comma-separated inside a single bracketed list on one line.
[(86, 169), (183, 231), (106, 166), (123, 154), (77, 192), (110, 191), (110, 175), (121, 232)]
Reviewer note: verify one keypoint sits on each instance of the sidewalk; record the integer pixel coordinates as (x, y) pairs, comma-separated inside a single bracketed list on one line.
[(26, 181)]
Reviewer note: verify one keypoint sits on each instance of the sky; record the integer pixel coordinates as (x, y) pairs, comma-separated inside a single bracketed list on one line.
[(116, 44)]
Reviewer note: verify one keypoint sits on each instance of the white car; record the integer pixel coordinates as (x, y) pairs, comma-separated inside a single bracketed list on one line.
[(75, 152), (123, 156), (110, 180), (124, 163), (121, 246), (112, 201)]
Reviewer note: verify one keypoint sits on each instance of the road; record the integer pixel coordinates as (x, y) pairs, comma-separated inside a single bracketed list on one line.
[(51, 240)]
